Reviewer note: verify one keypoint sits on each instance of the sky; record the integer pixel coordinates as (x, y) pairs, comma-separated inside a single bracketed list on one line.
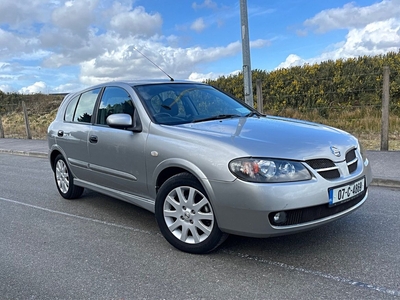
[(57, 46)]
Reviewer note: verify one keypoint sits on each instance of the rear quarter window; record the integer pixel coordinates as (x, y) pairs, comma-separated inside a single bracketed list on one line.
[(70, 110)]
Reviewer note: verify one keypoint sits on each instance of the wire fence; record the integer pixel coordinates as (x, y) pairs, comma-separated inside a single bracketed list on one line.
[(363, 121), (27, 118), (361, 113), (367, 110)]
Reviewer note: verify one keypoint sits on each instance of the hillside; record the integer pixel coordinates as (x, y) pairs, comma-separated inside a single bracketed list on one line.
[(350, 82), (343, 93), (41, 111)]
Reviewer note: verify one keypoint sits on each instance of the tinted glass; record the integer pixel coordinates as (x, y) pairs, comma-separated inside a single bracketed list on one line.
[(114, 100), (174, 103), (69, 112), (84, 110)]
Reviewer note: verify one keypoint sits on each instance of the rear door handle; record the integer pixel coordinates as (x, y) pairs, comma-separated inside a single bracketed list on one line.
[(93, 139)]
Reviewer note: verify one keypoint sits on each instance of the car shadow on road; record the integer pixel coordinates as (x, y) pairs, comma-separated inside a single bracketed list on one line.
[(111, 210), (335, 238)]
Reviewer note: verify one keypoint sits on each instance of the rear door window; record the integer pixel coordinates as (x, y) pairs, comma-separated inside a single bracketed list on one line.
[(84, 109)]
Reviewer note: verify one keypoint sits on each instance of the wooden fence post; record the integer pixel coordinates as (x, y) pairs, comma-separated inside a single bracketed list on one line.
[(28, 129), (260, 104), (1, 129), (385, 110)]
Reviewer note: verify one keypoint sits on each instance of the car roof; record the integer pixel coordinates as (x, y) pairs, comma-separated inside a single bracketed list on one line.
[(133, 83), (150, 81)]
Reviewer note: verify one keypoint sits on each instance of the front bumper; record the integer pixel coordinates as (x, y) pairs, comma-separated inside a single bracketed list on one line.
[(247, 209)]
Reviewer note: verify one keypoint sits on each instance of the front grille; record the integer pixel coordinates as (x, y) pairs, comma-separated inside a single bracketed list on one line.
[(351, 160), (320, 163), (309, 214), (330, 174), (325, 167), (328, 169), (351, 155)]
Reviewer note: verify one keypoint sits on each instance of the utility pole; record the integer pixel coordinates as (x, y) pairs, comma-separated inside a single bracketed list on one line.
[(248, 86), (385, 110)]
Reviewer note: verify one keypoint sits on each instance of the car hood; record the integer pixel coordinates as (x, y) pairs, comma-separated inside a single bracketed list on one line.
[(275, 137)]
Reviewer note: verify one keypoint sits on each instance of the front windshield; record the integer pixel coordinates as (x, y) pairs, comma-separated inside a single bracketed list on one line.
[(180, 103)]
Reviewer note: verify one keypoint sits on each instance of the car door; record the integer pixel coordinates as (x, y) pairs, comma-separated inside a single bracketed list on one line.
[(72, 136), (116, 156)]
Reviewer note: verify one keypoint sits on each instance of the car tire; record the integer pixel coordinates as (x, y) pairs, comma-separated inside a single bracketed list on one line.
[(65, 180), (185, 215)]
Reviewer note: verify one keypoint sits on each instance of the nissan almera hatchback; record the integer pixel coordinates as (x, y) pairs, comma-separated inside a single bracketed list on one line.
[(206, 164)]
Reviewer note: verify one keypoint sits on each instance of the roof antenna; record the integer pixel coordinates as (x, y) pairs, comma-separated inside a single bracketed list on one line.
[(154, 64)]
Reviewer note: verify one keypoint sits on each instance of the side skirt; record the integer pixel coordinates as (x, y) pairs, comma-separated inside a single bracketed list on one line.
[(142, 202)]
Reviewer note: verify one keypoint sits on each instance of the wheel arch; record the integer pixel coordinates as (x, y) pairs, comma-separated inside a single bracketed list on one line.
[(171, 167), (182, 236), (54, 152), (52, 157)]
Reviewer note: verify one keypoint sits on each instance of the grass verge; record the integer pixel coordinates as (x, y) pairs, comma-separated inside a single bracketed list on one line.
[(363, 122)]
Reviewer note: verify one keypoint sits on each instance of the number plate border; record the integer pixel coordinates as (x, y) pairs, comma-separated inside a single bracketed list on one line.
[(330, 192)]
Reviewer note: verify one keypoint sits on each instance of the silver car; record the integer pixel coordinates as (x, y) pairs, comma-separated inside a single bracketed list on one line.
[(205, 163)]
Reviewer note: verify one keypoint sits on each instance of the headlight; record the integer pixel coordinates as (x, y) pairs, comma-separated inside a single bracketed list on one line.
[(268, 170)]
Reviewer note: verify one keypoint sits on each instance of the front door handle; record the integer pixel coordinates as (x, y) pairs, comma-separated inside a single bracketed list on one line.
[(93, 139)]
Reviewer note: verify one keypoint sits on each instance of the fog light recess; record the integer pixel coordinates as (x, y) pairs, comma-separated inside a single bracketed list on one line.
[(280, 217)]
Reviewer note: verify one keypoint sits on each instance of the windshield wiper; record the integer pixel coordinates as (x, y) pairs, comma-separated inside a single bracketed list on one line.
[(167, 107), (217, 117), (254, 113)]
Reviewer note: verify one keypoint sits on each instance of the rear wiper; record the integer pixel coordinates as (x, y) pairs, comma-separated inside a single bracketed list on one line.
[(217, 117)]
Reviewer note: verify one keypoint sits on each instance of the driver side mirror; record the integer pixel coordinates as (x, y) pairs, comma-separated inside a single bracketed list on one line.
[(124, 121)]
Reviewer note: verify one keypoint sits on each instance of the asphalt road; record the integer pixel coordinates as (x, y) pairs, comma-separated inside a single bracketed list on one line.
[(97, 247)]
